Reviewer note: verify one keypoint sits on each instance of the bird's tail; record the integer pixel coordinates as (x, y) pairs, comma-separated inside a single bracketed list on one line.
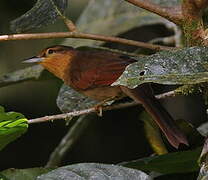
[(144, 95)]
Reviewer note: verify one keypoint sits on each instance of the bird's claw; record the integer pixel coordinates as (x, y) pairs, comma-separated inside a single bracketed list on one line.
[(99, 110)]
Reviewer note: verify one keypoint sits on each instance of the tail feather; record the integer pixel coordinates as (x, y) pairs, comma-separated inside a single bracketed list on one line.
[(165, 122), (144, 95)]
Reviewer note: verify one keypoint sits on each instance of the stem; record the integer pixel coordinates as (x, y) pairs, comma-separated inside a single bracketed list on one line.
[(94, 110), (171, 13), (82, 36), (70, 25)]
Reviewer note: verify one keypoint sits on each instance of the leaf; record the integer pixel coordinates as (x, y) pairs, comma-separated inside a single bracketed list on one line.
[(43, 13), (184, 66), (91, 171), (153, 134), (177, 162), (23, 174), (29, 73), (70, 100), (12, 126), (110, 17)]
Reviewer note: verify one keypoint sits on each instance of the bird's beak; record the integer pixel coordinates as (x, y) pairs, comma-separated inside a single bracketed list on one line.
[(34, 59)]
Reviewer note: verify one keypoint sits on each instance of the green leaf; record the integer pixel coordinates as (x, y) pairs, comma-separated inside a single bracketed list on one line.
[(12, 126), (177, 162), (43, 13), (184, 66), (86, 171), (23, 174)]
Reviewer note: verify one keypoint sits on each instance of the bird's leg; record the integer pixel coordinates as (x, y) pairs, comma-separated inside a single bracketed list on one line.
[(99, 107)]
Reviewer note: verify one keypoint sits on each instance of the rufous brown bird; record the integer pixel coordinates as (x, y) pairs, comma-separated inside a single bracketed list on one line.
[(91, 72)]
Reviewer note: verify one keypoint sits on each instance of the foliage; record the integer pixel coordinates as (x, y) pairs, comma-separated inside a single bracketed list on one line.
[(12, 126)]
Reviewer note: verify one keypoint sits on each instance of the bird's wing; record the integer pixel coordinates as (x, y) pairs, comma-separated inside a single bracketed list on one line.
[(97, 69)]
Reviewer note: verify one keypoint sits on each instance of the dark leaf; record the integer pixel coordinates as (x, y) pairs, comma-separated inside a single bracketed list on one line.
[(43, 13), (114, 17), (23, 174), (31, 73), (184, 66), (70, 100), (92, 171), (177, 162)]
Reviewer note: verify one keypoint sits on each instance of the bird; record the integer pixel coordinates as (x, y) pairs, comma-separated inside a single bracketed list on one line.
[(92, 71)]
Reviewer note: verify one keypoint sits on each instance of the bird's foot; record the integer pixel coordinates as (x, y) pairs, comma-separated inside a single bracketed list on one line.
[(99, 106)]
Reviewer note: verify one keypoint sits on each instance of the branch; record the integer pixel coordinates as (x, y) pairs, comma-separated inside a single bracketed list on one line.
[(70, 25), (193, 27), (94, 110), (171, 13), (82, 36)]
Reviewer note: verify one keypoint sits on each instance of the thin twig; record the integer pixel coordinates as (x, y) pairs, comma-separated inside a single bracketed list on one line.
[(70, 25), (171, 13), (82, 36), (81, 112), (94, 110)]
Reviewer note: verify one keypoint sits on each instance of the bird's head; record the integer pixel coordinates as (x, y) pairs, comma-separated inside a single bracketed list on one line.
[(55, 59)]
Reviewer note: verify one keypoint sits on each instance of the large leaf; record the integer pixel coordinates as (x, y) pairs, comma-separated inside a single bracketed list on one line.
[(92, 171), (44, 12), (30, 73), (33, 72), (12, 126), (70, 100), (178, 162), (114, 17), (23, 174), (184, 66)]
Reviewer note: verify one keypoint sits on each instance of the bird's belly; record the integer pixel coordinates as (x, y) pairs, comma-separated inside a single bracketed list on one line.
[(104, 93)]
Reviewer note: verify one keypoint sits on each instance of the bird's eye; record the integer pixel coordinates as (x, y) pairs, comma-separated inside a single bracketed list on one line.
[(50, 51)]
